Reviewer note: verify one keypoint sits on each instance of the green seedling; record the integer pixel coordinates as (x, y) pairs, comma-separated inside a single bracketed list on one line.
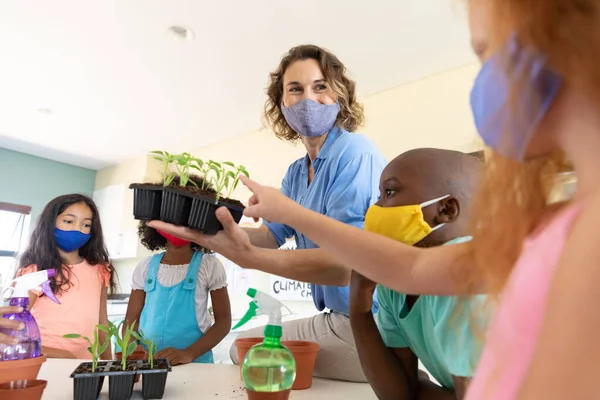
[(225, 177), (95, 348), (124, 341), (150, 345), (183, 163), (166, 159), (203, 168), (239, 170)]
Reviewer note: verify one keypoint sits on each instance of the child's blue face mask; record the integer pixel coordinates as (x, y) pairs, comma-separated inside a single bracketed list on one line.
[(506, 132), (70, 240)]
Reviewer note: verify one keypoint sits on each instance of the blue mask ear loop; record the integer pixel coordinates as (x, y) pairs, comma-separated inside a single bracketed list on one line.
[(430, 202)]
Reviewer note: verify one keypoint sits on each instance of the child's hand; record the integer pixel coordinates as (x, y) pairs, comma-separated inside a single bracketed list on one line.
[(361, 294), (268, 203), (175, 356), (9, 324)]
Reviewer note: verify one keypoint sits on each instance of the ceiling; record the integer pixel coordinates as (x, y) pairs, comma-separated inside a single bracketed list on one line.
[(95, 83)]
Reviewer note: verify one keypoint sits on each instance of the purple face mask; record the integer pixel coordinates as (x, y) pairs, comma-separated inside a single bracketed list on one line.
[(311, 119), (505, 131)]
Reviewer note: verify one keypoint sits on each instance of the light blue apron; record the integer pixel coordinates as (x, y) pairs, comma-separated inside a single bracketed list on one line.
[(169, 314)]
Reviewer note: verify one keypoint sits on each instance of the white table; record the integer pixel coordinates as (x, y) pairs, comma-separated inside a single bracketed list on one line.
[(199, 381)]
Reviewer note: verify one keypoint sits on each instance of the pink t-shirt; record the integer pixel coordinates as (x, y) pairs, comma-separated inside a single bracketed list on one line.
[(79, 311), (514, 331)]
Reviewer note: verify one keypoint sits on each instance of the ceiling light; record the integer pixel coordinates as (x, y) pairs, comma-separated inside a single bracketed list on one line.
[(182, 33), (44, 111)]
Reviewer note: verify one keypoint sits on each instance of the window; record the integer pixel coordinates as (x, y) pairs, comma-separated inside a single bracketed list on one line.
[(14, 230)]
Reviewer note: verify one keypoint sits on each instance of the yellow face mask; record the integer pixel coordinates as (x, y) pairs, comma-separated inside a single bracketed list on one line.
[(404, 224)]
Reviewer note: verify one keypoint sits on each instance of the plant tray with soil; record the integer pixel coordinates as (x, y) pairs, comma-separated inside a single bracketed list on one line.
[(88, 384), (186, 199)]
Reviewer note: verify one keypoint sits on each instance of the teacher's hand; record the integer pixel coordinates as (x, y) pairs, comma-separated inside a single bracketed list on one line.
[(268, 203), (231, 242)]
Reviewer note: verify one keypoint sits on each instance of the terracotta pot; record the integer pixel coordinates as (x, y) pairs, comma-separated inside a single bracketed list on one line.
[(268, 396), (136, 355), (20, 370), (305, 354), (22, 390), (244, 344)]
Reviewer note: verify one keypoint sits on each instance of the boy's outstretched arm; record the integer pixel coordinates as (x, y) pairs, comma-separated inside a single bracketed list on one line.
[(384, 371), (392, 373), (212, 337), (407, 269)]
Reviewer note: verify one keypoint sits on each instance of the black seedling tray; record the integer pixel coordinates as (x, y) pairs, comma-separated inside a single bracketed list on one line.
[(147, 201), (202, 214), (175, 207), (87, 385)]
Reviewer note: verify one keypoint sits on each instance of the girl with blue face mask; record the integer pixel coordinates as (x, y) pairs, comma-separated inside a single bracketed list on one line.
[(68, 238)]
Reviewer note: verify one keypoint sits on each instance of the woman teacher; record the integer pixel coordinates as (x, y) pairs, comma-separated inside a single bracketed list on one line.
[(310, 99)]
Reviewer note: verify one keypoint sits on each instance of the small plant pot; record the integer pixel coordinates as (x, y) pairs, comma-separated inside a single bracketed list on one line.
[(20, 370), (305, 354), (136, 355), (120, 387), (283, 395), (202, 214), (87, 388), (155, 380), (22, 390), (147, 199), (175, 206), (243, 345)]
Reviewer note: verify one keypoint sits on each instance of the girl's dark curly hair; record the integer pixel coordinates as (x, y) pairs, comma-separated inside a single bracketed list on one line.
[(43, 250), (351, 115), (154, 241)]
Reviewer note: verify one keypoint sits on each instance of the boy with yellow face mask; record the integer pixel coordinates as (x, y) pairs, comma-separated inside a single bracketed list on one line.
[(425, 201)]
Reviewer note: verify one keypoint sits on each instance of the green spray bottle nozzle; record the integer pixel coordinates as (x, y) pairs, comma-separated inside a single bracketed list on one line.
[(251, 313), (262, 304)]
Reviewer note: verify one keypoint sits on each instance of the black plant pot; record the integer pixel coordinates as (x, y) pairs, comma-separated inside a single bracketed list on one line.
[(120, 387), (153, 385), (155, 380), (202, 214), (87, 388), (147, 201), (175, 207)]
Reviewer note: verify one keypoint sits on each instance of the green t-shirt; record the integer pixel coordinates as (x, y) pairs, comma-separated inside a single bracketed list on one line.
[(436, 331)]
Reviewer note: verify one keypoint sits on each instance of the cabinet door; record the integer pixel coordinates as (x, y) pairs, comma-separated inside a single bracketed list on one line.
[(109, 201)]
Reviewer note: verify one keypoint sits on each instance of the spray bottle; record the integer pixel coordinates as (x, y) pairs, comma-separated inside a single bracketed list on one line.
[(30, 344), (268, 367)]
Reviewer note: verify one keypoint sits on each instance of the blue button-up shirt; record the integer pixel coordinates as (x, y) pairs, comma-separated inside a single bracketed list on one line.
[(344, 186)]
